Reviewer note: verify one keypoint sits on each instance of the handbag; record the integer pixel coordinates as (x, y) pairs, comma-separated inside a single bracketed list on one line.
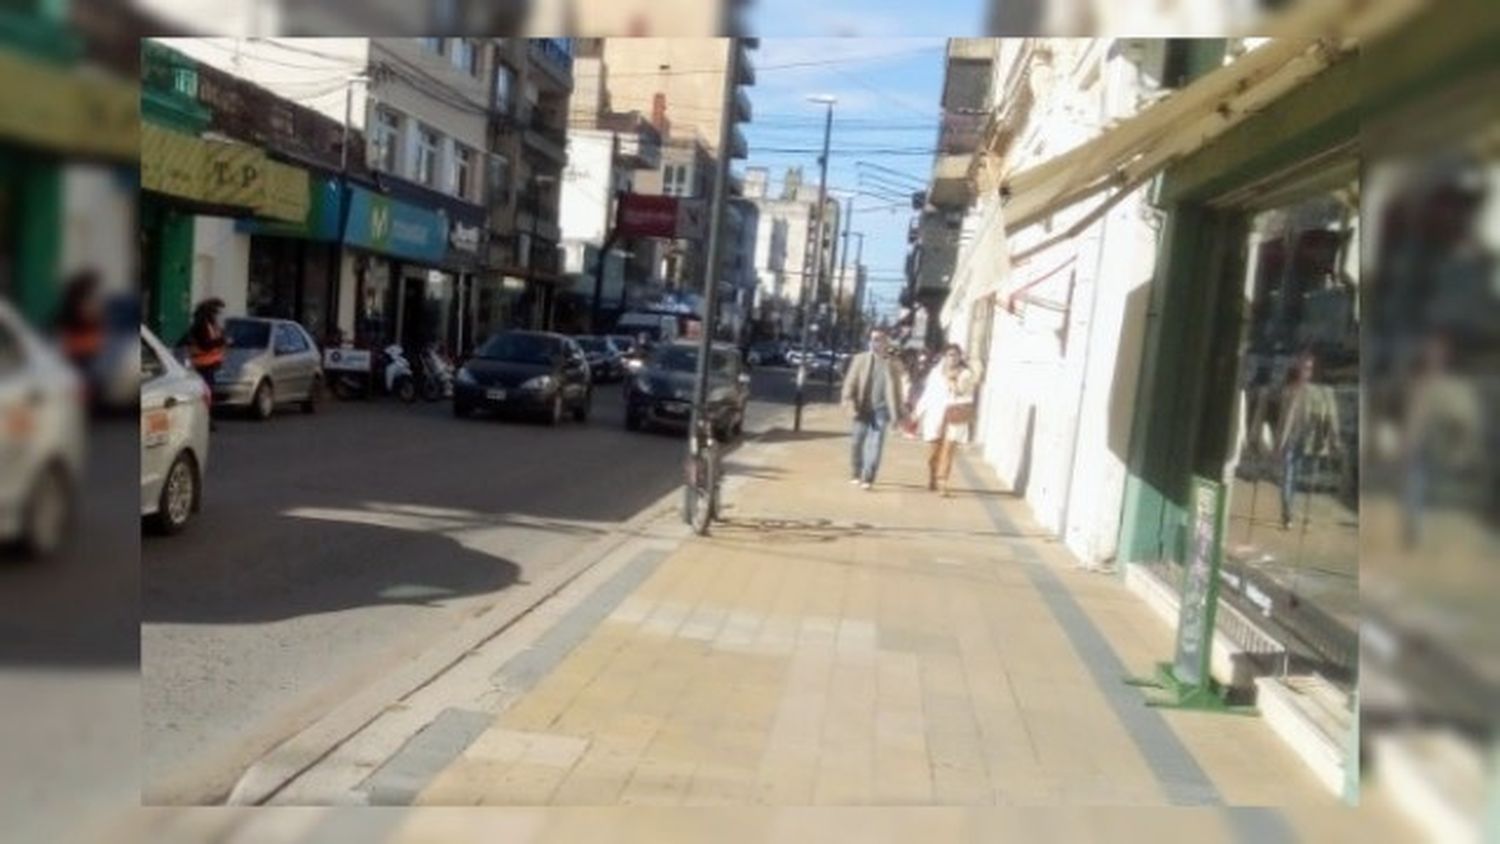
[(961, 413)]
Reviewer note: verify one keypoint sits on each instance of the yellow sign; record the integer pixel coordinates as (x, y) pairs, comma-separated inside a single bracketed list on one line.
[(288, 193), (67, 110), (222, 173)]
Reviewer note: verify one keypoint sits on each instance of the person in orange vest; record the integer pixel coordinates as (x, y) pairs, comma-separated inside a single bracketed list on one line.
[(80, 323), (206, 342)]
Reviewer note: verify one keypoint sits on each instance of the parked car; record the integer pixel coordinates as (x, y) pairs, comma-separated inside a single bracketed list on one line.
[(43, 418), (268, 362), (175, 407), (606, 362), (661, 394), (115, 377), (530, 372), (767, 353)]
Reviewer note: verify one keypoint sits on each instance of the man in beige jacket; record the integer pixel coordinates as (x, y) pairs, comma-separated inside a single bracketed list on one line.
[(874, 394)]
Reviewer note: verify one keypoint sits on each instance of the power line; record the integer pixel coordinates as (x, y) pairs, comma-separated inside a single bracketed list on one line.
[(875, 57)]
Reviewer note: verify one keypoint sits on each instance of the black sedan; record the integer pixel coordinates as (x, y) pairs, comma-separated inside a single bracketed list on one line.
[(661, 392), (529, 372)]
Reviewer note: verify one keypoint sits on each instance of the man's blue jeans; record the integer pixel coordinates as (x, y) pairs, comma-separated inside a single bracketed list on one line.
[(869, 441), (1291, 468)]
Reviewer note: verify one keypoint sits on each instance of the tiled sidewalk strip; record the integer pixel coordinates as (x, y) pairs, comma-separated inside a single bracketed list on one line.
[(829, 646)]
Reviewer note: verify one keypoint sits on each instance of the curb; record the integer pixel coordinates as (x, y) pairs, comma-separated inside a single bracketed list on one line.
[(291, 758)]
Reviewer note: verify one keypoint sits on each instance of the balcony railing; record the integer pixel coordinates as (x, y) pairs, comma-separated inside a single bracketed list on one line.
[(961, 132), (555, 54)]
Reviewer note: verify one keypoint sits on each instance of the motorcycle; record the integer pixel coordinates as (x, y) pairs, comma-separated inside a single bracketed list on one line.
[(399, 379), (348, 371), (437, 374)]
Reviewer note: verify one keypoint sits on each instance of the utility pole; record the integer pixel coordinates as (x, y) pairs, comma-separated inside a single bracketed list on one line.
[(838, 297), (859, 285), (335, 265), (711, 262), (818, 259)]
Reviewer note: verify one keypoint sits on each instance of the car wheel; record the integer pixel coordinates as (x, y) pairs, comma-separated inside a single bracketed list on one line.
[(555, 412), (314, 396), (263, 403), (581, 412), (48, 514), (179, 495)]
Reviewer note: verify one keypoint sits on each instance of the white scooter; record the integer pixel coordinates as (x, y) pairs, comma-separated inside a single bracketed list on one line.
[(437, 374), (399, 381)]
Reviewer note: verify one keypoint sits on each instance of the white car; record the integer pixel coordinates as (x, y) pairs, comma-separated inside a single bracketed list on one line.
[(43, 422), (175, 407)]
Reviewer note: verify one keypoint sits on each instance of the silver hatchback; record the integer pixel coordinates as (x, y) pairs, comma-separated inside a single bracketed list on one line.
[(268, 362)]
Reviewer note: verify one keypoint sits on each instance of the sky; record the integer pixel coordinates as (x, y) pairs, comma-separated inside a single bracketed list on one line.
[(886, 116)]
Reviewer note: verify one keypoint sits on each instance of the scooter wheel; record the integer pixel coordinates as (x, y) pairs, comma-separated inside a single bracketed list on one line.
[(406, 390)]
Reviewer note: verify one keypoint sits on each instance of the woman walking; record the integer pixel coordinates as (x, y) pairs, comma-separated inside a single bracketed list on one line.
[(945, 411)]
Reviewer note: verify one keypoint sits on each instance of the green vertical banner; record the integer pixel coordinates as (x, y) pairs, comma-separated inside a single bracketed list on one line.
[(1200, 584), (1188, 678)]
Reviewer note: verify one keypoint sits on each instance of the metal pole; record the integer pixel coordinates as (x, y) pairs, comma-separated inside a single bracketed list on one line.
[(711, 256), (817, 268), (838, 299), (858, 296), (612, 222)]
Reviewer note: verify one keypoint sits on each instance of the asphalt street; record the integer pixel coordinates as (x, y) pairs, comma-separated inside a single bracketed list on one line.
[(331, 545)]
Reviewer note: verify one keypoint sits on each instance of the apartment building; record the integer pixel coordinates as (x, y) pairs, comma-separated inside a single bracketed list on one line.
[(786, 248)]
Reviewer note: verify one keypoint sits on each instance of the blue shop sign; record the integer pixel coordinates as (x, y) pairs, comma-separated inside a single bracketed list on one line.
[(382, 224), (321, 222)]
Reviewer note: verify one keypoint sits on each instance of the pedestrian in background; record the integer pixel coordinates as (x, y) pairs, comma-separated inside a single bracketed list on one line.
[(206, 341), (80, 321), (945, 412), (1307, 430), (874, 392)]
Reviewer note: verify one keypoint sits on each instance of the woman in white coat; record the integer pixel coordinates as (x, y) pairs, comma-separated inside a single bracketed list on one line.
[(945, 412)]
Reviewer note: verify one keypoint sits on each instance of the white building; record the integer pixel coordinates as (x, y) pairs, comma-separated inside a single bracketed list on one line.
[(590, 182), (1058, 322), (785, 246)]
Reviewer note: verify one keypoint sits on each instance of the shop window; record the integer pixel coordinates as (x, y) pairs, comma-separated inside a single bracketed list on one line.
[(1291, 434), (429, 152)]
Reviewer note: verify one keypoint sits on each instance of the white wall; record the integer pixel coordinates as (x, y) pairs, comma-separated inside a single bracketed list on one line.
[(221, 263), (99, 227), (1056, 415)]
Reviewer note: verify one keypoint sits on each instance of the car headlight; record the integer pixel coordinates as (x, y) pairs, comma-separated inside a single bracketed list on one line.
[(540, 383), (464, 376)]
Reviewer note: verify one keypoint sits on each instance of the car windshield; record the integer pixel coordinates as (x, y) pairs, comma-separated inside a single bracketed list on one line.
[(519, 348), (593, 345), (248, 333), (685, 359)]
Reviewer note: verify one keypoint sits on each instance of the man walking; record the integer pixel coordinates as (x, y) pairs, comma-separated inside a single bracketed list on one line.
[(874, 394)]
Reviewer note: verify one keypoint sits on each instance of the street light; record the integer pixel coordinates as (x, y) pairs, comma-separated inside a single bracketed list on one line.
[(828, 101)]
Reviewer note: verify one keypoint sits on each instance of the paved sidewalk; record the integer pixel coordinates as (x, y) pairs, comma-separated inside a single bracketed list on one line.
[(829, 646)]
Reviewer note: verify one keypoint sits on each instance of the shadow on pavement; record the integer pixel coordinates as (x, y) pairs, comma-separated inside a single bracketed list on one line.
[(339, 565), (786, 435)]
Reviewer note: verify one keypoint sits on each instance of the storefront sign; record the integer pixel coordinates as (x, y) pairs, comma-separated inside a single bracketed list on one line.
[(320, 220), (463, 238), (223, 174), (59, 109), (347, 360), (382, 224), (1200, 585), (640, 215)]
